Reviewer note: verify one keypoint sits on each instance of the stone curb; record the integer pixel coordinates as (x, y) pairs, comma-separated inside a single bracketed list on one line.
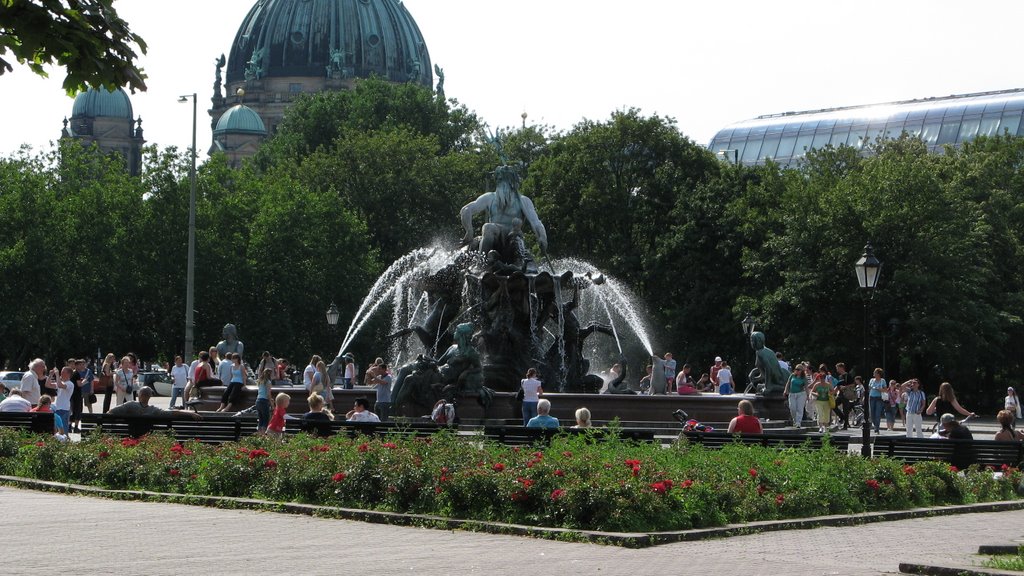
[(625, 539), (956, 570)]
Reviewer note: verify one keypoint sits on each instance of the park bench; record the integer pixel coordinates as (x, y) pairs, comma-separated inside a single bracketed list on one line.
[(354, 429), (812, 441), (38, 422), (520, 435), (983, 452), (211, 429)]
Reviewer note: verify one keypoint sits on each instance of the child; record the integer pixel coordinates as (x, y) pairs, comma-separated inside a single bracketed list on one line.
[(44, 406), (263, 400), (276, 426)]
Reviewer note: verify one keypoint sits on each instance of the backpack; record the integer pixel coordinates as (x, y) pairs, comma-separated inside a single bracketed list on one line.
[(443, 413)]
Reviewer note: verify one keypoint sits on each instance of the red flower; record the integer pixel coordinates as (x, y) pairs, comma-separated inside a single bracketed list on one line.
[(954, 469), (321, 448), (363, 447), (526, 482), (752, 472), (761, 489), (258, 453), (779, 500), (559, 473), (194, 476), (557, 493), (174, 472), (177, 448), (104, 454), (909, 470), (437, 489), (128, 442), (338, 477), (632, 463), (538, 455), (567, 454), (40, 444), (499, 467), (686, 483), (391, 445), (659, 487), (270, 464), (519, 496), (872, 483)]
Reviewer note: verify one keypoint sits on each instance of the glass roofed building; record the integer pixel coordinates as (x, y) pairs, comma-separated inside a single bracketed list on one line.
[(951, 120)]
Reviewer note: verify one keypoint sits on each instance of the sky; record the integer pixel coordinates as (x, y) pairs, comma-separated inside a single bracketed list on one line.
[(705, 64)]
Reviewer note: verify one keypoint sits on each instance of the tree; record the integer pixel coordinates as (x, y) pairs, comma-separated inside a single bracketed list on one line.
[(86, 37)]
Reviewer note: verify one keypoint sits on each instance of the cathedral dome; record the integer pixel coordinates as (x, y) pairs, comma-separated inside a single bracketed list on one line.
[(96, 103), (318, 38), (240, 119)]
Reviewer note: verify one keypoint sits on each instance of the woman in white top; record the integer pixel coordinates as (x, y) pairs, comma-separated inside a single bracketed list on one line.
[(1012, 403), (123, 377), (531, 394)]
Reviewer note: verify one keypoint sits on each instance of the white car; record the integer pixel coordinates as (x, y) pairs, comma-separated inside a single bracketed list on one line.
[(11, 379)]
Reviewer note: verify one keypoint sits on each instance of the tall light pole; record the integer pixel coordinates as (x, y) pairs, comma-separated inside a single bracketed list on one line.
[(868, 268), (190, 274)]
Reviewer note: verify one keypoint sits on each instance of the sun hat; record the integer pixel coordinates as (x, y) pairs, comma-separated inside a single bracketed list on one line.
[(947, 418)]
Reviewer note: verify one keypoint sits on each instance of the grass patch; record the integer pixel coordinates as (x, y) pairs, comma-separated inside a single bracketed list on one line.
[(1007, 561)]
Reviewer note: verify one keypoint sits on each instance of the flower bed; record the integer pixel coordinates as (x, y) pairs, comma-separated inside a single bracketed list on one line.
[(576, 483)]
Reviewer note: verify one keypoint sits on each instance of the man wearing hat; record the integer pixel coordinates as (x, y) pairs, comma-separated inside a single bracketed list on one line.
[(963, 453), (715, 369)]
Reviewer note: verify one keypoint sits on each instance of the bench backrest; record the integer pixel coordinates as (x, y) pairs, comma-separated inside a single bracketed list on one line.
[(38, 422), (813, 441), (957, 452), (520, 435)]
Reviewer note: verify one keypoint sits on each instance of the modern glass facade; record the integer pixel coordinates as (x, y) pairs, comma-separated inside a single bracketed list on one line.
[(938, 121)]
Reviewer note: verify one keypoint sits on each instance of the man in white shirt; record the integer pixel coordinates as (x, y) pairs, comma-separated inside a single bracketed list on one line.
[(15, 402), (62, 404), (360, 412), (782, 362), (179, 379), (725, 379)]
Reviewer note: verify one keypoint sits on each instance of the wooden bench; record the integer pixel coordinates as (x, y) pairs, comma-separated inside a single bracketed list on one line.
[(812, 441), (960, 453), (37, 422), (212, 429), (520, 435), (354, 429)]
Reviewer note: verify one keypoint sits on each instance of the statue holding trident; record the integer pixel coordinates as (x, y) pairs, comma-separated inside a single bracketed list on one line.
[(506, 210)]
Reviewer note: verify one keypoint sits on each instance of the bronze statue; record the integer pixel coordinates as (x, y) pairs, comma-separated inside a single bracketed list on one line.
[(457, 373), (767, 373), (218, 79), (230, 344), (506, 210)]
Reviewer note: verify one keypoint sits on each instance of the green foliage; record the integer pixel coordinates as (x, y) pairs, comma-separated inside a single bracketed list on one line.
[(1006, 561), (578, 483), (86, 37)]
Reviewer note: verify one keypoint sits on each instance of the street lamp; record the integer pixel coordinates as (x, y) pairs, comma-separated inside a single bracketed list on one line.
[(332, 316), (868, 268), (190, 274)]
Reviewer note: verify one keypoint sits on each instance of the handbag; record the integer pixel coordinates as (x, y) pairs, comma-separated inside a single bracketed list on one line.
[(831, 401), (520, 395)]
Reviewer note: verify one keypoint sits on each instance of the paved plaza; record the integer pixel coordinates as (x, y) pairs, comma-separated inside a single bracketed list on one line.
[(100, 536)]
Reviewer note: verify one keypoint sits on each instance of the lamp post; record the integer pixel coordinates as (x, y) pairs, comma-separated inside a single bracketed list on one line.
[(868, 268), (332, 317), (190, 274)]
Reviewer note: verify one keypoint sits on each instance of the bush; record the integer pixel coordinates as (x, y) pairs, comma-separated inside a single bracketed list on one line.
[(578, 482)]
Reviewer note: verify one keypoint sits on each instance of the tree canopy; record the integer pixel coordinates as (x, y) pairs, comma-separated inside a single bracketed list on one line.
[(86, 37)]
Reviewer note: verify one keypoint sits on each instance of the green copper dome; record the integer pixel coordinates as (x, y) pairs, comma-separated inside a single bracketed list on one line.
[(337, 38), (95, 103), (240, 119)]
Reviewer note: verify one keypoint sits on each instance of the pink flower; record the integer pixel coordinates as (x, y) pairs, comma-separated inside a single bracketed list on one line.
[(338, 477), (557, 493)]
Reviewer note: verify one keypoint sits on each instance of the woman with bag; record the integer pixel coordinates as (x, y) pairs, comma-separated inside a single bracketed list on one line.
[(123, 378), (822, 394)]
